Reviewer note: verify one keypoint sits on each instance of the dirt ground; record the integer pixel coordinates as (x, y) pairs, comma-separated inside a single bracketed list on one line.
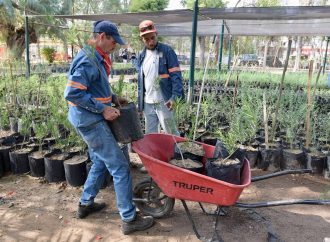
[(32, 210)]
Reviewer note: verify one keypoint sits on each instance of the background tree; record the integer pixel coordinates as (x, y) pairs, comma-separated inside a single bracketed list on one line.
[(147, 5), (267, 3), (202, 39), (80, 31), (144, 6), (12, 21), (99, 7)]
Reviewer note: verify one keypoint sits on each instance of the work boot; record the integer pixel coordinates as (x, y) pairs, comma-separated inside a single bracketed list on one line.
[(85, 210), (138, 224)]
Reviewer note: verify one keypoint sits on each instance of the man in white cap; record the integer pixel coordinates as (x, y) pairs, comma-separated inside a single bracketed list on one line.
[(159, 81), (90, 107)]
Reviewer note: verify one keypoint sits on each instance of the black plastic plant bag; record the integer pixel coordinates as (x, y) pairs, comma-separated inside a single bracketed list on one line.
[(186, 155), (227, 173)]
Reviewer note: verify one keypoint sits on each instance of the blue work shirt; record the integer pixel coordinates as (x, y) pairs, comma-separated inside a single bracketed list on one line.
[(88, 89), (169, 74)]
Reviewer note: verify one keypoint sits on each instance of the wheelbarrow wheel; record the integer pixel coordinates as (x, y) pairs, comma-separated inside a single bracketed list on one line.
[(155, 203)]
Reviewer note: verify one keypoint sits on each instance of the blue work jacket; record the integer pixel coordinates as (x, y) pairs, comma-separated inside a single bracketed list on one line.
[(88, 89), (169, 73)]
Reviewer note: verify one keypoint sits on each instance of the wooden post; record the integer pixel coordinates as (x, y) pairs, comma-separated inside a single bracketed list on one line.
[(281, 90), (309, 106), (316, 82), (265, 120), (235, 93), (231, 71)]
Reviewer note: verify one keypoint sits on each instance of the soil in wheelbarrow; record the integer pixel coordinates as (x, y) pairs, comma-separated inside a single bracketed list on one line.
[(33, 210), (188, 164)]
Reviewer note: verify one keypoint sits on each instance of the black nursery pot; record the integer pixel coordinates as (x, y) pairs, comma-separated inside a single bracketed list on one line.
[(54, 168), (271, 159), (107, 177), (227, 173), (294, 159), (2, 168), (19, 161), (252, 156), (230, 174), (316, 162), (4, 156), (127, 127), (37, 164), (188, 155), (75, 170)]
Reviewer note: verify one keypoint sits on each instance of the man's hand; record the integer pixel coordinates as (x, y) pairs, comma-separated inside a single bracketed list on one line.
[(170, 104), (110, 113), (120, 101)]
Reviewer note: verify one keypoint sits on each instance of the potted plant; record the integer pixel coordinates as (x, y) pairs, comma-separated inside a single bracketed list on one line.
[(293, 112)]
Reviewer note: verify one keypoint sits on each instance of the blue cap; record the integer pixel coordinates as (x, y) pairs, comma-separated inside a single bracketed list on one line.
[(110, 29)]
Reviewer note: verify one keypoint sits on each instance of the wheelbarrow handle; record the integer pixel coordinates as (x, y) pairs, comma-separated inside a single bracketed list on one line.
[(280, 173), (282, 203)]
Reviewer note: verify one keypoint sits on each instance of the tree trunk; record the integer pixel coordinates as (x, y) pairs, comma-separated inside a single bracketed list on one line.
[(298, 54), (217, 47), (65, 51), (201, 40), (15, 40), (265, 53), (39, 50)]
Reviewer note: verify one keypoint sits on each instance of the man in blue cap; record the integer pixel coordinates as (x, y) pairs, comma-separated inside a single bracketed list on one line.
[(90, 107)]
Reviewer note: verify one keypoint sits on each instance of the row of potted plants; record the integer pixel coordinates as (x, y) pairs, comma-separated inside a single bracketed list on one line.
[(233, 116)]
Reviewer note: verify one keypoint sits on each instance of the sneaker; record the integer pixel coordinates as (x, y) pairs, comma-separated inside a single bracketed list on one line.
[(138, 224), (85, 210)]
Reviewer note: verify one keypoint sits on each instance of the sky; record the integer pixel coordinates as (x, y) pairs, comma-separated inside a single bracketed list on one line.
[(175, 4)]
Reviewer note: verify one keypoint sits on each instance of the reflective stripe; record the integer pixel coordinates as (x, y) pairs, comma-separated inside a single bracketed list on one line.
[(76, 85), (164, 76), (174, 69), (71, 104), (104, 99)]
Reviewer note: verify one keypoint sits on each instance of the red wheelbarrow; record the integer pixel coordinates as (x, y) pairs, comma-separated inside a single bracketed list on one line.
[(156, 196)]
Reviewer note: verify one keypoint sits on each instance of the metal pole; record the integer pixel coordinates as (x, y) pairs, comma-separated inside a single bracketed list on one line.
[(229, 51), (192, 55), (325, 55), (27, 47), (221, 45)]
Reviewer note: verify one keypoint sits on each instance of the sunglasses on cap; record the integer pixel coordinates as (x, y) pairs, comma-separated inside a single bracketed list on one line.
[(149, 27)]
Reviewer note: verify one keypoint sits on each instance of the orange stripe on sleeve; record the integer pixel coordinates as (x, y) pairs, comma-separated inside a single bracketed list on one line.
[(76, 85), (104, 99), (164, 75), (174, 69), (71, 104)]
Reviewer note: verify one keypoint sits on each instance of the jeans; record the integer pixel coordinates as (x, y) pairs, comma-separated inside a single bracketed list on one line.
[(158, 113), (107, 155)]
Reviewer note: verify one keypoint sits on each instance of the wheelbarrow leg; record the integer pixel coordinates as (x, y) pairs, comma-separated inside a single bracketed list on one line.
[(216, 237), (222, 211), (190, 219)]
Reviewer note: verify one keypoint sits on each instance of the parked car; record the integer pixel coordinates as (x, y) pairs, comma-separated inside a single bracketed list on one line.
[(248, 60)]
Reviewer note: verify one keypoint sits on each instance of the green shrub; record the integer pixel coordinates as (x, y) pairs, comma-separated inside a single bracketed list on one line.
[(48, 53)]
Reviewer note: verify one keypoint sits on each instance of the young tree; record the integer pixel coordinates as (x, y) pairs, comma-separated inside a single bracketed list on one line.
[(267, 3), (201, 39), (12, 30), (147, 5)]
